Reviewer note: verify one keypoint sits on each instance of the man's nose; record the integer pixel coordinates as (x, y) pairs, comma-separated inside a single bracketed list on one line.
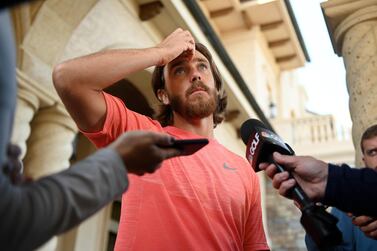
[(195, 76)]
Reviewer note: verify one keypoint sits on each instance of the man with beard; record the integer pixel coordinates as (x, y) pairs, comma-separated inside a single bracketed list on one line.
[(206, 201)]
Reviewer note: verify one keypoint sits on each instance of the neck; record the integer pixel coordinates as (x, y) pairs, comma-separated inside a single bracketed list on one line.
[(202, 127)]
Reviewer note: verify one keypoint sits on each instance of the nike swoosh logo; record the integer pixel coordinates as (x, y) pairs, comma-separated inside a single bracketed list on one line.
[(226, 166)]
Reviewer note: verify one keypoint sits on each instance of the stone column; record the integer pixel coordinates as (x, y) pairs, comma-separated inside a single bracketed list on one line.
[(50, 143), (43, 130), (353, 29), (27, 105), (49, 149)]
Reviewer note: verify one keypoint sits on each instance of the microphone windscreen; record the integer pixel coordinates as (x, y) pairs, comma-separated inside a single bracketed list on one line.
[(248, 127)]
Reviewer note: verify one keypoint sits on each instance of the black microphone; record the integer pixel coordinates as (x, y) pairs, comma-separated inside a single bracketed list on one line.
[(261, 143)]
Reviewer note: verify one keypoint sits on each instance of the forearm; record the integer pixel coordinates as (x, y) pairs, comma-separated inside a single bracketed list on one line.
[(33, 213), (79, 81), (102, 69)]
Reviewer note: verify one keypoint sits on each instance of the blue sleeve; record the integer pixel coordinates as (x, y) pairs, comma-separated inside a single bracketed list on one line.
[(310, 244), (352, 190), (345, 226)]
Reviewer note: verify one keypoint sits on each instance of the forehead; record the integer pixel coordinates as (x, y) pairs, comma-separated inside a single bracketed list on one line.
[(182, 59), (372, 142)]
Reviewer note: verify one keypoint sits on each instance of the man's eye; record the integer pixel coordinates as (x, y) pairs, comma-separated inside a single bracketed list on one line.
[(179, 71), (203, 66), (373, 153)]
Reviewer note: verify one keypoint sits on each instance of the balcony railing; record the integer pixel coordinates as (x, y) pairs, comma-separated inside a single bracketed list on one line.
[(317, 136), (310, 130)]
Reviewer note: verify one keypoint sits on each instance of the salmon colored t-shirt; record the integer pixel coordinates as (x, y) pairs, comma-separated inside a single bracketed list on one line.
[(206, 201)]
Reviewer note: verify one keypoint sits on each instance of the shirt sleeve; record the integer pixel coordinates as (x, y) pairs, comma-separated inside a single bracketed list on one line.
[(118, 120), (32, 213), (352, 190)]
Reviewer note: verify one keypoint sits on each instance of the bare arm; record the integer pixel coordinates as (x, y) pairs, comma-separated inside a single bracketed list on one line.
[(79, 81)]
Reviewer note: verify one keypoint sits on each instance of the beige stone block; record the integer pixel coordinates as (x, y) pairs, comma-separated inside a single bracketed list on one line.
[(48, 36), (39, 72), (360, 46), (107, 25), (71, 11)]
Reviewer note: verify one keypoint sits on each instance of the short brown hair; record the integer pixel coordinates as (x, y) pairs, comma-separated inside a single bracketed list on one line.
[(369, 133), (165, 113)]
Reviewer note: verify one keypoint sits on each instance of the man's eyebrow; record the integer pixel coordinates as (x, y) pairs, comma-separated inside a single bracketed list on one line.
[(203, 60), (371, 150), (182, 61), (176, 63)]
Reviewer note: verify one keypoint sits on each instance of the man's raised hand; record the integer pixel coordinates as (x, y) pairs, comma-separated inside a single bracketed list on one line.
[(178, 42)]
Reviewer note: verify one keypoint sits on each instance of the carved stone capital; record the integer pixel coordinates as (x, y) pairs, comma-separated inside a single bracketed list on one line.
[(342, 15), (362, 15)]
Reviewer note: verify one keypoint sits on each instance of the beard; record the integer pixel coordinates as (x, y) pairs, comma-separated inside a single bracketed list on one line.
[(197, 106)]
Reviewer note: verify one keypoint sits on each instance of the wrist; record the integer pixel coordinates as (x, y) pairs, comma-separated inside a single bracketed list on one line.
[(324, 172), (157, 55)]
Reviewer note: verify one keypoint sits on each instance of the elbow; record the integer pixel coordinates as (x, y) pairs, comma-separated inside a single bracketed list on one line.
[(59, 77)]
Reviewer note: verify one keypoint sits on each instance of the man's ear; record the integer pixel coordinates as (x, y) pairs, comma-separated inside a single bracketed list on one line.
[(163, 96)]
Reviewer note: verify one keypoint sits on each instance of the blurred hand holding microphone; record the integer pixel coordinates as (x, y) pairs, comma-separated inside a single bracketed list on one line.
[(261, 143)]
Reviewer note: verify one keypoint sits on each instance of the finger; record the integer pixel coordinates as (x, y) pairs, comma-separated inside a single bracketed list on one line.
[(188, 34), (190, 56), (271, 170), (138, 172), (190, 40), (289, 162), (170, 153), (263, 166), (189, 52), (177, 30), (370, 227), (279, 178), (162, 139), (286, 186), (362, 220), (372, 234), (153, 168)]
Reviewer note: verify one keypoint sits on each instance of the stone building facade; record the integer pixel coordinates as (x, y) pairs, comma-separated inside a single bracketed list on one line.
[(256, 45)]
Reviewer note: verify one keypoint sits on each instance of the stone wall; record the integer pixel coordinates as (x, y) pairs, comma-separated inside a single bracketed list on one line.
[(283, 220)]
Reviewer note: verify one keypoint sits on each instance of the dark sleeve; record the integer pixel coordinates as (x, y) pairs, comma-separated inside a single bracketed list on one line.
[(33, 213), (352, 190)]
